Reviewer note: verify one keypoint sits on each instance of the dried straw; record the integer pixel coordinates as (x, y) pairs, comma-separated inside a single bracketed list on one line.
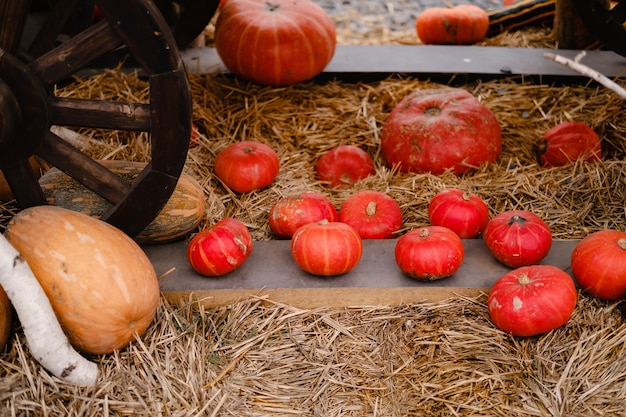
[(258, 358)]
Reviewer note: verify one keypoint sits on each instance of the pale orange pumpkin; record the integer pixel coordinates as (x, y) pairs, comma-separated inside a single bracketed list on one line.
[(102, 286)]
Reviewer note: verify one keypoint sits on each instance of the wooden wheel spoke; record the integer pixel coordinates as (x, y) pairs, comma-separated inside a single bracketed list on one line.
[(69, 57), (24, 185), (140, 37), (99, 114), (47, 36), (83, 169), (13, 17), (150, 191)]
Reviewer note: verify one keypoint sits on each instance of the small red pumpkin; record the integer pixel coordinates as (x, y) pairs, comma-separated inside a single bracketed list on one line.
[(220, 249), (463, 24), (532, 300), (247, 166), (326, 248), (463, 212), (275, 42), (374, 215), (344, 165), (567, 142), (599, 264), (518, 238), (290, 213), (434, 130), (429, 253)]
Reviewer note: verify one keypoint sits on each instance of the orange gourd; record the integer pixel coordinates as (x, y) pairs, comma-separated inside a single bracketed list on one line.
[(102, 286), (461, 25)]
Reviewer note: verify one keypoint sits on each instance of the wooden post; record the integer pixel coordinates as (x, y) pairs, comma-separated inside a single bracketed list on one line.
[(570, 30)]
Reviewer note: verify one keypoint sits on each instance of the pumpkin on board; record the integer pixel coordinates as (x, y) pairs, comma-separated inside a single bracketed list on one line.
[(439, 129), (326, 248), (463, 24), (276, 42)]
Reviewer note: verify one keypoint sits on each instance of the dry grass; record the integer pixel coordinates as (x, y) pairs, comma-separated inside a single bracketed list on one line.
[(258, 358)]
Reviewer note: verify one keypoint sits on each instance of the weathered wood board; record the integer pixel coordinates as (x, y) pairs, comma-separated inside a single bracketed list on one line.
[(363, 62), (376, 280)]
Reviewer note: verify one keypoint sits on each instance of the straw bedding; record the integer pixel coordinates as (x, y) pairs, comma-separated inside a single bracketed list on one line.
[(259, 358)]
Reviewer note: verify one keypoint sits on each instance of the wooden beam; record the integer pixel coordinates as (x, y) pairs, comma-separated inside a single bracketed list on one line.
[(271, 272), (365, 62)]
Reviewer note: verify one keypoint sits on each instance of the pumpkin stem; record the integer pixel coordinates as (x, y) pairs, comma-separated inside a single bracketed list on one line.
[(621, 242), (542, 147), (272, 7), (424, 233), (523, 279), (516, 219), (467, 196), (370, 210), (432, 111)]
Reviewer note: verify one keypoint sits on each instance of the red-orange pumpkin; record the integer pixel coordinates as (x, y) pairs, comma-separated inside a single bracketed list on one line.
[(101, 285), (433, 130), (464, 24), (532, 300), (326, 248), (275, 42), (599, 264), (567, 142)]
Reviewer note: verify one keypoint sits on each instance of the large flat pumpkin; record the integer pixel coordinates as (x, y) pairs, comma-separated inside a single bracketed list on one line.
[(179, 217)]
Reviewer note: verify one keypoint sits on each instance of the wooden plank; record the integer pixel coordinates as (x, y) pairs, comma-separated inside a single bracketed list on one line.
[(376, 280), (368, 61)]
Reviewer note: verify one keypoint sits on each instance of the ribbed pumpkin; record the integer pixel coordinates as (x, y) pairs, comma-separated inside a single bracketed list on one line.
[(102, 286), (275, 42), (463, 24)]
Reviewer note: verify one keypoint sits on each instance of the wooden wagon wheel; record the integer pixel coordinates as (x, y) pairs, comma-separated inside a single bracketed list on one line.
[(28, 107), (187, 18), (606, 23)]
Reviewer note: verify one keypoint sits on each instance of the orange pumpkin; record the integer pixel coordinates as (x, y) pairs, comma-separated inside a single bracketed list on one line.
[(102, 286), (460, 25), (6, 318)]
